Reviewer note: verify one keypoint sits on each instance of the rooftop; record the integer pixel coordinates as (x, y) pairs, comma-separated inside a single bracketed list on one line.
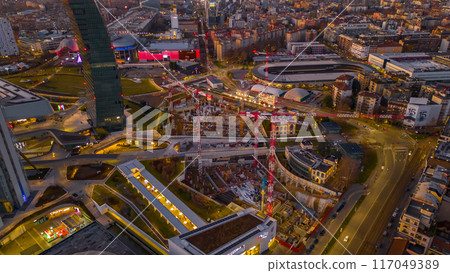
[(352, 149), (345, 77), (398, 246), (369, 95), (213, 238), (330, 126), (341, 86), (20, 103), (128, 169)]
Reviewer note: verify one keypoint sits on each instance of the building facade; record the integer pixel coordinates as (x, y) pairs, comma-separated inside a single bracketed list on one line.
[(8, 44), (310, 165), (14, 189), (103, 90), (368, 102), (340, 91)]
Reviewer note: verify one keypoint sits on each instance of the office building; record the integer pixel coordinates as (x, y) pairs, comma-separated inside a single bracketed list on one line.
[(14, 188), (246, 232), (8, 44), (103, 90)]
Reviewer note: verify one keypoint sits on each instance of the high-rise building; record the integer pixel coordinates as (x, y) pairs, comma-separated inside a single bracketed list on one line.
[(211, 13), (8, 44), (14, 188), (103, 90)]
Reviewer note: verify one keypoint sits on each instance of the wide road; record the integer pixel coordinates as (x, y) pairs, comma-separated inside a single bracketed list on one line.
[(385, 188)]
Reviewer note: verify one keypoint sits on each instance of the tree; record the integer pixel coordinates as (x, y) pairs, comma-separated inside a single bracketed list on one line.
[(173, 65), (328, 101), (101, 133)]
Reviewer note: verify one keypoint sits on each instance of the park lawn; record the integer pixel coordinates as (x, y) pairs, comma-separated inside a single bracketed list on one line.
[(130, 87), (51, 193), (70, 70), (347, 128), (175, 164), (101, 196), (133, 107), (219, 64), (88, 172), (33, 80), (67, 84), (201, 205), (122, 186), (369, 161)]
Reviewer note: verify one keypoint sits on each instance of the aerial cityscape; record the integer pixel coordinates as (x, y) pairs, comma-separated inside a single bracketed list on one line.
[(204, 127)]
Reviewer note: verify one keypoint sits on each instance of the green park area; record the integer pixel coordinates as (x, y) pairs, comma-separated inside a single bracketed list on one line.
[(70, 81), (131, 87), (118, 183), (50, 194), (167, 170), (88, 171), (102, 195), (369, 163)]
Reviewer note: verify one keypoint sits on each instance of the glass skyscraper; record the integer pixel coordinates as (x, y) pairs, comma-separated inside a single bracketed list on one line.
[(14, 188), (102, 80)]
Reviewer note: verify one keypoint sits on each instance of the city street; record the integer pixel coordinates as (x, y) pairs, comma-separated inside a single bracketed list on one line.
[(386, 186)]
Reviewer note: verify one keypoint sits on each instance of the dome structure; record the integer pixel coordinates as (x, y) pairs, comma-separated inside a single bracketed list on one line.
[(124, 41), (267, 90), (297, 94), (69, 43)]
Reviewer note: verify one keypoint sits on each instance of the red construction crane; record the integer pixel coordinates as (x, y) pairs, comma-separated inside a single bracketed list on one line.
[(171, 107), (272, 155), (255, 115), (199, 148)]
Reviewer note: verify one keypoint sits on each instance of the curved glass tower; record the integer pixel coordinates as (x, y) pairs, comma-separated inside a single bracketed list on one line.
[(103, 90)]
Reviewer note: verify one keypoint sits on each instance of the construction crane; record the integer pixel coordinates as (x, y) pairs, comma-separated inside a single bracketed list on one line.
[(267, 67), (275, 119), (255, 115), (272, 155), (172, 116), (199, 131)]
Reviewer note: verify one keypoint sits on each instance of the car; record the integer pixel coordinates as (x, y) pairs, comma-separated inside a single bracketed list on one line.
[(385, 233), (334, 216), (322, 232), (308, 251), (389, 225), (346, 239), (397, 209), (394, 214), (316, 241), (311, 247)]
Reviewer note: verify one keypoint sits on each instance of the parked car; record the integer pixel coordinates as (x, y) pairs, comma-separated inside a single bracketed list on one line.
[(346, 239)]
